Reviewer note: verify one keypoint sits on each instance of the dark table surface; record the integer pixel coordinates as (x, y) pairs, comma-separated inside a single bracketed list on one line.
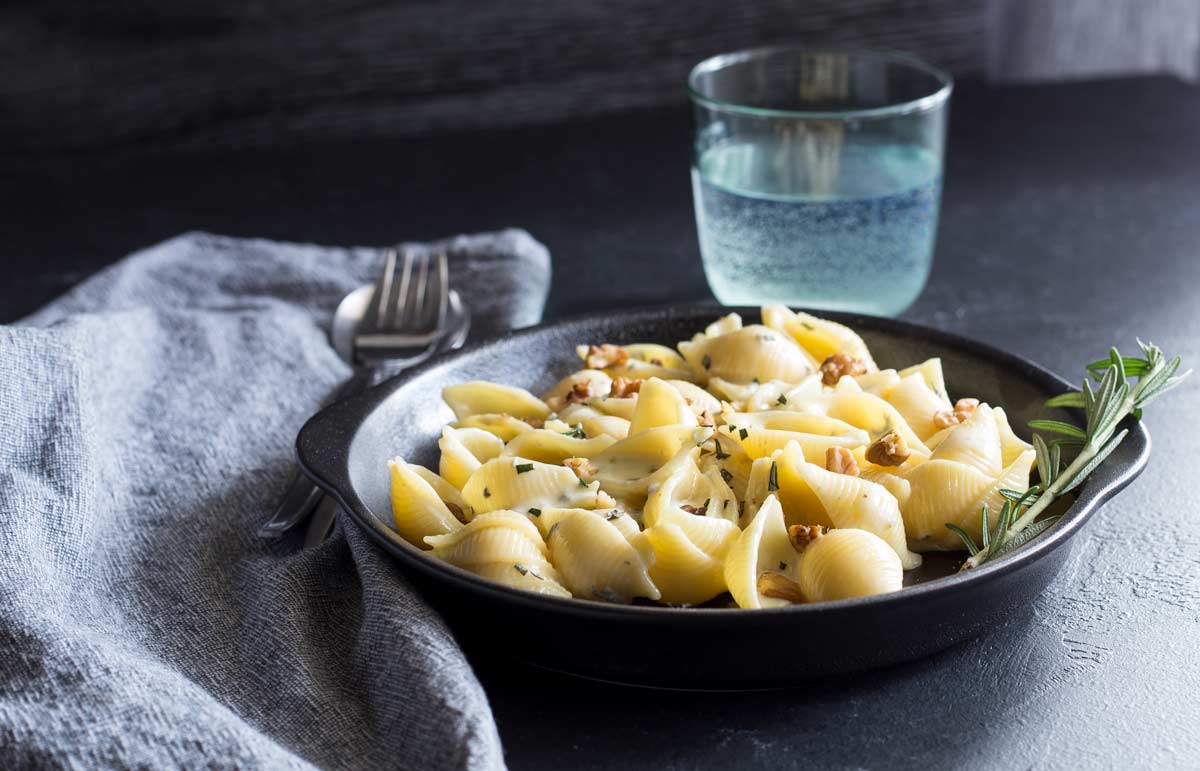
[(1070, 223)]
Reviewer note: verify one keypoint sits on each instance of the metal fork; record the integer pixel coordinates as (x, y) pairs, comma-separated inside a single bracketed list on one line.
[(401, 328)]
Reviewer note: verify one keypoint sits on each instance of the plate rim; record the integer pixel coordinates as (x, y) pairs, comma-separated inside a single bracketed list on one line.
[(337, 425)]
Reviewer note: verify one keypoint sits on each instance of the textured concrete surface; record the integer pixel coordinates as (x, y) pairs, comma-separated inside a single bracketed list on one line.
[(1069, 224)]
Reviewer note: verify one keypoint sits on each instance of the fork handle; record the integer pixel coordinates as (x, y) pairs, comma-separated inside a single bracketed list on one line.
[(302, 495)]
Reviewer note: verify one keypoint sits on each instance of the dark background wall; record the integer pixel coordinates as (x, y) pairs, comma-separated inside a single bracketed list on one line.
[(81, 75)]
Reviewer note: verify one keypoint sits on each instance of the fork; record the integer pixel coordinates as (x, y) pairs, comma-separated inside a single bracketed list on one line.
[(400, 328)]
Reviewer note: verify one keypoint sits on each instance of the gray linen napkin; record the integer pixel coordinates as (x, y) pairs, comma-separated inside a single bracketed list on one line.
[(146, 429)]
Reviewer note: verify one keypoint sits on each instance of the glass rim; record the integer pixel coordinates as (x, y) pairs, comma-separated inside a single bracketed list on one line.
[(910, 106)]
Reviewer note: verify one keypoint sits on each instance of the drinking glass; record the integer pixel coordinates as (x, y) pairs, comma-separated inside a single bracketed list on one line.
[(817, 176)]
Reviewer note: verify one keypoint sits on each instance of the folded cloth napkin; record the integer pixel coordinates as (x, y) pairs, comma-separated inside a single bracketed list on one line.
[(146, 429)]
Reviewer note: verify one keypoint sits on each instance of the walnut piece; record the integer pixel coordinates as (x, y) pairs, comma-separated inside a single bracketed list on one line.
[(945, 419), (780, 587), (837, 365), (583, 468), (802, 535), (705, 419), (965, 408), (607, 355), (839, 460), (535, 422), (699, 511), (623, 387), (888, 450), (962, 412), (580, 392)]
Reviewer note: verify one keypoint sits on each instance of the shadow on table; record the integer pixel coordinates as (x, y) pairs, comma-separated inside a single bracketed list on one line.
[(938, 712)]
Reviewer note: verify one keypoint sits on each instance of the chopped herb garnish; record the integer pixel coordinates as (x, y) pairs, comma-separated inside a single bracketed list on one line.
[(487, 493), (755, 381), (607, 594), (707, 362), (808, 326), (721, 454), (612, 515), (743, 433), (728, 477), (725, 504), (781, 400), (535, 512), (521, 568), (782, 565), (576, 432), (534, 573), (523, 467), (583, 483), (773, 479)]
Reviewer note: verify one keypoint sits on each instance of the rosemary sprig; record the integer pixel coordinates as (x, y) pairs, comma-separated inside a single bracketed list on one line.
[(1105, 406)]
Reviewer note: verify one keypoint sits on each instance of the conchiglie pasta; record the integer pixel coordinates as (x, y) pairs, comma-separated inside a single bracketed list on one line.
[(501, 546), (553, 447), (660, 404), (464, 450), (417, 510), (521, 484), (597, 561), (844, 564), (763, 547), (503, 426), (480, 397), (819, 337), (746, 354)]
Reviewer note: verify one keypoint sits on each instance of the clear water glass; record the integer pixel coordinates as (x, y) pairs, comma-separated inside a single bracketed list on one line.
[(817, 176)]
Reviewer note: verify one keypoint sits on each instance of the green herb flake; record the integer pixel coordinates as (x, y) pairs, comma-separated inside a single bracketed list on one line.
[(728, 477), (520, 568), (535, 512), (743, 433), (707, 362), (583, 483), (721, 454), (523, 467), (487, 493), (773, 479), (782, 565), (781, 400), (576, 432)]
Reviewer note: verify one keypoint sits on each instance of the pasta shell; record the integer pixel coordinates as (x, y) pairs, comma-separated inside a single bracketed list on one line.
[(878, 383), (520, 576), (942, 491), (746, 354), (417, 510), (503, 426), (684, 573), (502, 546), (762, 547), (699, 400), (597, 561), (627, 468), (660, 404), (449, 494), (843, 564), (597, 382), (521, 484), (930, 371), (594, 422), (552, 447), (464, 450), (683, 484), (917, 404), (1011, 445), (975, 443), (480, 397), (819, 337)]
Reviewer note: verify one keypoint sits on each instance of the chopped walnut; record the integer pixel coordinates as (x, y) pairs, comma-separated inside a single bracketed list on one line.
[(780, 587), (964, 409), (802, 535), (623, 387), (962, 412), (580, 392), (945, 419), (888, 450), (837, 365), (839, 460), (705, 418), (607, 355), (535, 422), (583, 468), (457, 511), (699, 511)]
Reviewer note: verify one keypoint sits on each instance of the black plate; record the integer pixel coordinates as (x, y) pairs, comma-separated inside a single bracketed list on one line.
[(345, 449)]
